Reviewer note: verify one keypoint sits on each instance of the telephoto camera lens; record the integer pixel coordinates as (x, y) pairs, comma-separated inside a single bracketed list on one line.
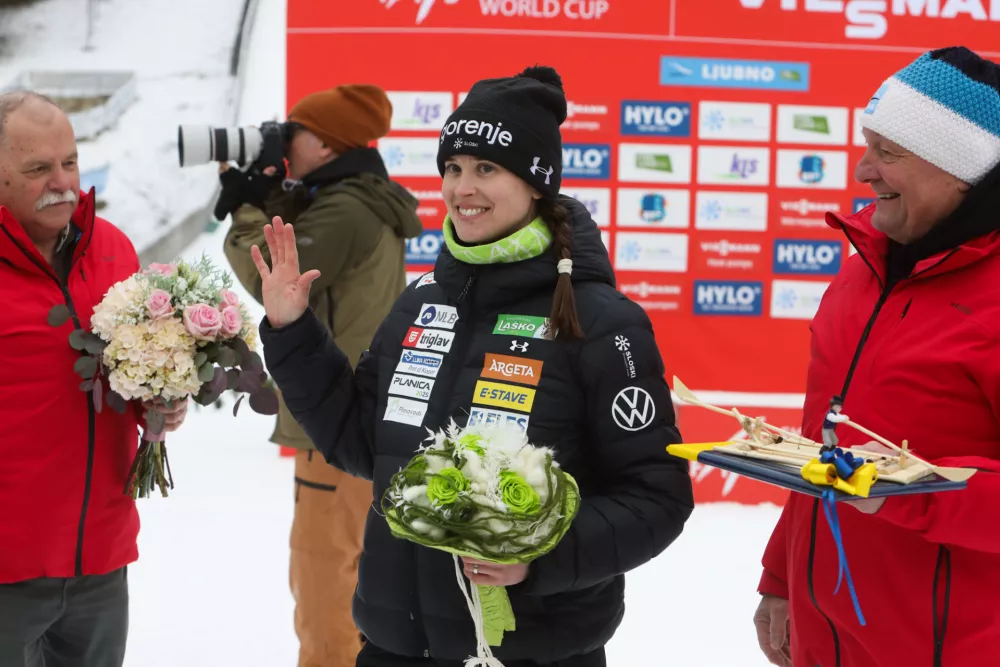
[(200, 144)]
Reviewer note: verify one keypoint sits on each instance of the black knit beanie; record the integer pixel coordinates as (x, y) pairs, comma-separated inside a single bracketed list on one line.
[(514, 122)]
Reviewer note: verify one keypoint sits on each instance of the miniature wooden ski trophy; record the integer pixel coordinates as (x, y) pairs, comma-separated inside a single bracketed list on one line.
[(786, 459)]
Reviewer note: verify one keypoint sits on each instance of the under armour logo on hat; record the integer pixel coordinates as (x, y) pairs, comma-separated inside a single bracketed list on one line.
[(548, 172)]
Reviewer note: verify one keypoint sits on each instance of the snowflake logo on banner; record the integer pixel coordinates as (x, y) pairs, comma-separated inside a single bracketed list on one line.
[(786, 299), (712, 210), (714, 121), (394, 157), (621, 342), (631, 251), (425, 7)]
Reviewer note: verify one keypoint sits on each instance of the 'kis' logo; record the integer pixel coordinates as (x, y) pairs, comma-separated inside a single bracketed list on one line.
[(743, 167)]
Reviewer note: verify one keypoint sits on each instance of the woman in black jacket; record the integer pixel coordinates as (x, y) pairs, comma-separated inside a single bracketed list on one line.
[(519, 321)]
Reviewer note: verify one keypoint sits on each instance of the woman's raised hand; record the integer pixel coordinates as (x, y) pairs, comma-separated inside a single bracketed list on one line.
[(284, 291)]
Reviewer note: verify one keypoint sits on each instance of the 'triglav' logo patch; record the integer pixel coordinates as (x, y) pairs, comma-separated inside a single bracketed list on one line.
[(526, 326)]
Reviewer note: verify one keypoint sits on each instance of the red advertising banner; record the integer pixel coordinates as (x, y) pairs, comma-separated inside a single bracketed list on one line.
[(708, 138)]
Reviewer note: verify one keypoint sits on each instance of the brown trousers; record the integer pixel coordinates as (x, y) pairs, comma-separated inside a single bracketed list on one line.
[(327, 532)]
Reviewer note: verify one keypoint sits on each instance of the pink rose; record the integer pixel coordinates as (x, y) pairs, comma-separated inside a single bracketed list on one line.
[(229, 298), (232, 321), (202, 321), (163, 269), (158, 304)]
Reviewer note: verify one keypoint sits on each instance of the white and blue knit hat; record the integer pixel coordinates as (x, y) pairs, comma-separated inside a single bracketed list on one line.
[(945, 108)]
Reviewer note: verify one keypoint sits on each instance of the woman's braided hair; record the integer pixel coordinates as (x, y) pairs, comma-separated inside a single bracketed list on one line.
[(563, 319)]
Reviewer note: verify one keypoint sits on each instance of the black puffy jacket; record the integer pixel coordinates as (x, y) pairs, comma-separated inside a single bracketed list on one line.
[(602, 403)]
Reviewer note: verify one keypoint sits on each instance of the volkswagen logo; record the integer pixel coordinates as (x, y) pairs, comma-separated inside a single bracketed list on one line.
[(633, 409)]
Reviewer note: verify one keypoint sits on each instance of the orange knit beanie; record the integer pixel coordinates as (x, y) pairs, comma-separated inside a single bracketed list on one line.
[(345, 117)]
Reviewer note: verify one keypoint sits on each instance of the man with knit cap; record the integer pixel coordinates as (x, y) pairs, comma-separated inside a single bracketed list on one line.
[(351, 222), (907, 342)]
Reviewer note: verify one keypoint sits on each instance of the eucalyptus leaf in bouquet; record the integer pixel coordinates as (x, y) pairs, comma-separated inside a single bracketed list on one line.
[(483, 492)]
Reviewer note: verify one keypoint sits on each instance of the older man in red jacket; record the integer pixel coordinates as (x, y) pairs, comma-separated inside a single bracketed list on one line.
[(907, 340), (67, 530)]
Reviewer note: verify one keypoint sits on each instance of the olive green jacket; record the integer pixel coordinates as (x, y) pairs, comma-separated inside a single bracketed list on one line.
[(350, 222)]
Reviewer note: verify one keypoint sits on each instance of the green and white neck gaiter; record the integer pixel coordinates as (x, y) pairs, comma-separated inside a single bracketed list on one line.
[(525, 243)]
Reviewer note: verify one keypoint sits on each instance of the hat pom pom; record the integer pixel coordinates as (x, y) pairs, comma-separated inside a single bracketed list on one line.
[(544, 74)]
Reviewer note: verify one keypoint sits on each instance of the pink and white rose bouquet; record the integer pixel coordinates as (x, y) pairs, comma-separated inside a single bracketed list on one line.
[(162, 335)]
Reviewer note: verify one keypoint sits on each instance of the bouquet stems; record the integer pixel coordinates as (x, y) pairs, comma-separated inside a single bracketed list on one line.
[(150, 469)]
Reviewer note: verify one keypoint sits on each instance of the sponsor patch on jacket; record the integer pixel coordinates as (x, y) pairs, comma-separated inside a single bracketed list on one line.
[(485, 416), (504, 396), (436, 315), (425, 280), (405, 411), (633, 409), (427, 364), (518, 347), (624, 346), (526, 326), (411, 386), (428, 339), (512, 369)]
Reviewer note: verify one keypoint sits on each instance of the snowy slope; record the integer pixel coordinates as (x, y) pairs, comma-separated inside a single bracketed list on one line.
[(180, 51)]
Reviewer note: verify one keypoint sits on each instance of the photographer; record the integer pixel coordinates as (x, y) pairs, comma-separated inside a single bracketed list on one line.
[(351, 221)]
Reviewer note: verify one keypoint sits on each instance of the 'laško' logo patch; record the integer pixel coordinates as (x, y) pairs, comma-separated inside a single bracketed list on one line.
[(526, 326)]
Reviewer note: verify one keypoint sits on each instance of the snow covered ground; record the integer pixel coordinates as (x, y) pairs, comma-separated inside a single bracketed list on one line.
[(180, 51)]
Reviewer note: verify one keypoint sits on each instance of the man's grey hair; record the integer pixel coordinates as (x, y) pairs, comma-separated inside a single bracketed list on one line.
[(12, 101)]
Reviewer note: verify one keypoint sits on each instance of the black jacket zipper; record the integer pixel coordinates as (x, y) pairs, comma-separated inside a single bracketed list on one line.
[(885, 290), (458, 353), (91, 410)]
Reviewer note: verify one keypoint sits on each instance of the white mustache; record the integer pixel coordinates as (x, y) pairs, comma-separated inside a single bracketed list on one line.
[(53, 198)]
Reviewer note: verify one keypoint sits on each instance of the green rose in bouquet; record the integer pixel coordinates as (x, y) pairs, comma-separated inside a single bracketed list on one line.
[(483, 492)]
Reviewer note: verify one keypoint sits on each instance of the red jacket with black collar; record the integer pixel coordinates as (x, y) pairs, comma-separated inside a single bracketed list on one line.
[(921, 362), (63, 465)]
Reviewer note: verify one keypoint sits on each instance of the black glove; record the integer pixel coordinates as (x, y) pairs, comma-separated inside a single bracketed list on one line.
[(244, 187)]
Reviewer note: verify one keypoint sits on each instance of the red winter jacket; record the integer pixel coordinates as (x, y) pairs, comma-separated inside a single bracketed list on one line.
[(926, 567), (63, 466)]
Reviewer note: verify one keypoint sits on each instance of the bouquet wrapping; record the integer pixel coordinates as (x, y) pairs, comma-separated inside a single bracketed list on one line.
[(163, 335), (483, 492)]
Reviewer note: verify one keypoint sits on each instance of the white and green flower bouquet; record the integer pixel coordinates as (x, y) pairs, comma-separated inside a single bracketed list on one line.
[(483, 492)]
